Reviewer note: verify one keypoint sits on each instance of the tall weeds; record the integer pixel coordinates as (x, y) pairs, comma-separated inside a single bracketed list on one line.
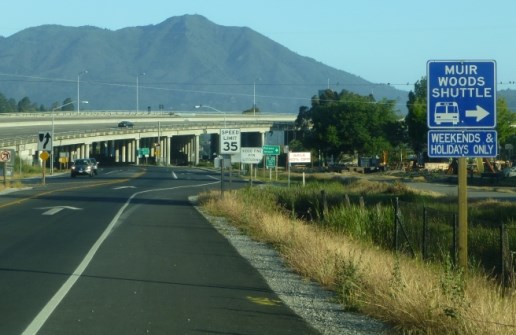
[(413, 296)]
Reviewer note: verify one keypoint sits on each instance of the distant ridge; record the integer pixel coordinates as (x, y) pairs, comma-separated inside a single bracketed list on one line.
[(187, 60)]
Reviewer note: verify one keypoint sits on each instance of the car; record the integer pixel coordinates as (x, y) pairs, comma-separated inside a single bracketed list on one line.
[(95, 165), (125, 124), (509, 172), (82, 166)]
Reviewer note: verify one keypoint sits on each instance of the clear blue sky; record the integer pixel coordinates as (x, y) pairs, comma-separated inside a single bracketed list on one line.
[(381, 41)]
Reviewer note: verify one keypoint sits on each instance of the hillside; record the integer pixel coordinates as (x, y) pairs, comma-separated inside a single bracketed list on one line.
[(510, 97), (187, 60)]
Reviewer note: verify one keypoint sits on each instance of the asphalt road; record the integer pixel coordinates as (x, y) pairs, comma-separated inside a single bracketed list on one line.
[(493, 191), (474, 192), (126, 253)]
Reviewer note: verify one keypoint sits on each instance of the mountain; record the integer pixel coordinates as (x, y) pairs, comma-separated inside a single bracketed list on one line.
[(187, 60), (510, 97)]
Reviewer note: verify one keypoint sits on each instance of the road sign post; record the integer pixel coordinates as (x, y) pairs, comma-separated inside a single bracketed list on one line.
[(270, 163), (461, 94), (5, 157), (251, 156), (229, 145), (270, 150), (298, 157), (44, 155)]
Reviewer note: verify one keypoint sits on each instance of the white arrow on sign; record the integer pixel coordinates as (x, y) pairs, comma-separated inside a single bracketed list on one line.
[(479, 113), (57, 209), (45, 141)]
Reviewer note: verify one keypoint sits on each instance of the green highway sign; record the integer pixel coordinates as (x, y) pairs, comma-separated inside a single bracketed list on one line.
[(271, 149), (143, 152), (270, 162)]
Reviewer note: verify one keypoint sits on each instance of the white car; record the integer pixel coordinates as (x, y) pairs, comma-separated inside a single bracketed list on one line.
[(509, 172)]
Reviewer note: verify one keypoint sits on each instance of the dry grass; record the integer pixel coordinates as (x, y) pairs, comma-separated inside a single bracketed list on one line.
[(9, 184), (414, 297)]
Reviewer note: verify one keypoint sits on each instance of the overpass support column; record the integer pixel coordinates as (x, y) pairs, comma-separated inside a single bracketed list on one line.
[(136, 151), (111, 149), (123, 151), (80, 151), (197, 149), (116, 147), (86, 150), (164, 149), (262, 139), (190, 149), (130, 145), (76, 151), (95, 148), (104, 149), (168, 152)]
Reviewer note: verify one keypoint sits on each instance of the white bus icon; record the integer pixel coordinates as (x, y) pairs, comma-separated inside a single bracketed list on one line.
[(446, 112)]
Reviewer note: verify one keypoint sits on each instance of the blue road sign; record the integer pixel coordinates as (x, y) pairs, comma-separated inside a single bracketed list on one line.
[(461, 94), (462, 143)]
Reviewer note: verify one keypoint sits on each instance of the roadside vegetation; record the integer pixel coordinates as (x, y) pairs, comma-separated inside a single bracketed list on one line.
[(19, 172), (343, 246)]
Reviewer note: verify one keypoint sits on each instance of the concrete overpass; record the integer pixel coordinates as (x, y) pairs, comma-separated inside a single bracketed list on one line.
[(164, 137)]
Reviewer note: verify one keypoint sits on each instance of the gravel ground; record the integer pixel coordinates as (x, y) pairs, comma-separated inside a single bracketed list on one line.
[(306, 298)]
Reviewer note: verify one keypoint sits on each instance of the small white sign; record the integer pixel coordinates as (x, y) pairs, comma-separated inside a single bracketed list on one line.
[(299, 157), (251, 155)]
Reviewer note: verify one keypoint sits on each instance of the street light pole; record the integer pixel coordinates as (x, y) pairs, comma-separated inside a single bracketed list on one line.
[(53, 117), (221, 156), (137, 90), (52, 149), (215, 109), (78, 90)]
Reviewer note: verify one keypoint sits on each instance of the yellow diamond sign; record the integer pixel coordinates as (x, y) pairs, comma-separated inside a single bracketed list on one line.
[(44, 155)]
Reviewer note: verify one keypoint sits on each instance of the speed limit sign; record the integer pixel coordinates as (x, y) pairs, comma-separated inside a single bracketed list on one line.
[(229, 141)]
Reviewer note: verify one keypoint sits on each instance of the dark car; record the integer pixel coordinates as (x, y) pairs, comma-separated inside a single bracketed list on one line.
[(82, 166), (125, 124), (95, 165)]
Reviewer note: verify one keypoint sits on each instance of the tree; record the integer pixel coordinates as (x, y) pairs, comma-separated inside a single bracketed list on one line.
[(504, 121), (26, 106), (345, 123), (6, 106), (68, 105), (416, 119), (252, 111)]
